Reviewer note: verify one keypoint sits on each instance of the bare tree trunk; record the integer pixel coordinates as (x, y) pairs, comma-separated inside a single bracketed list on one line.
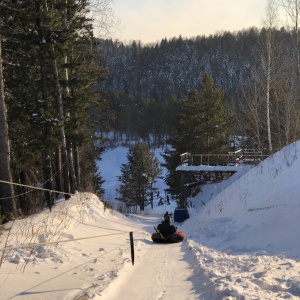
[(64, 154), (279, 134), (70, 146), (271, 21), (249, 106), (71, 169), (47, 166), (6, 190), (58, 170), (69, 149), (77, 166), (268, 93)]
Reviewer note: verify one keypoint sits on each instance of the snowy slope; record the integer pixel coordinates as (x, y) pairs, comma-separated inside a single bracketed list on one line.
[(242, 242)]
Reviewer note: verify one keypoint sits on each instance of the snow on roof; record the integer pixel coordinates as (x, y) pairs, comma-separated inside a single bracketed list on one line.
[(208, 168)]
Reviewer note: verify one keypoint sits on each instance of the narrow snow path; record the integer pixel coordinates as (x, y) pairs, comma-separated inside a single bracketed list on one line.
[(166, 274)]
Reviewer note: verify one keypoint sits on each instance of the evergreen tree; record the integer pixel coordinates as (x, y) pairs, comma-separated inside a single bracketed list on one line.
[(204, 123), (203, 127), (51, 67), (173, 178), (138, 175)]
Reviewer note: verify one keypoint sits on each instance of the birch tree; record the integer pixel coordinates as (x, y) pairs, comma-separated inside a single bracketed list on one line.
[(270, 22)]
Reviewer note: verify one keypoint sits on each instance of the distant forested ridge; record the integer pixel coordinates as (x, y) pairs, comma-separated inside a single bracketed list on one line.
[(175, 66)]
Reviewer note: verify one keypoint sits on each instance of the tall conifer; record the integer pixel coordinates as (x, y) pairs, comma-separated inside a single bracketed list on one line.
[(138, 175)]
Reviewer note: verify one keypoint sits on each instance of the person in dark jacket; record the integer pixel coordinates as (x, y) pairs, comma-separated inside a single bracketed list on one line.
[(165, 227), (167, 214), (168, 199)]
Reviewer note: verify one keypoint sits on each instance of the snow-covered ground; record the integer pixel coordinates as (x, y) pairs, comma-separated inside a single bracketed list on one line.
[(242, 242)]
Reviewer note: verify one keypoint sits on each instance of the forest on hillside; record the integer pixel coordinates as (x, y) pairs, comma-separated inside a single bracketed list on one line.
[(257, 69), (200, 93), (47, 77), (62, 91), (174, 66)]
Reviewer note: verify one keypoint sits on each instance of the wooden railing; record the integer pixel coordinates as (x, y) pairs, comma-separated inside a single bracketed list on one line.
[(240, 156)]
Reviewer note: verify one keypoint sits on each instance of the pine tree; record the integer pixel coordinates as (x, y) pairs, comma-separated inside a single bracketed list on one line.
[(50, 75), (173, 178), (204, 123), (203, 127), (138, 175)]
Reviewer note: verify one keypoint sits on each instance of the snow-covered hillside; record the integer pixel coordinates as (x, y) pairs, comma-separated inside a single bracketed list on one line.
[(241, 243)]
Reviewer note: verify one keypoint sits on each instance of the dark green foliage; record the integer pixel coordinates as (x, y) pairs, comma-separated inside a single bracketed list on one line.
[(155, 72), (203, 127), (174, 66), (150, 120), (173, 178), (138, 175), (51, 66), (204, 124)]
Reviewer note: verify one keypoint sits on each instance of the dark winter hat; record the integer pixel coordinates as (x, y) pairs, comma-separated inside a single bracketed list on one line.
[(168, 217)]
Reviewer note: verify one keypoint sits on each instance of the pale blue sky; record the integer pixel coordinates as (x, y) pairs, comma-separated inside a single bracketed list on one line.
[(152, 20)]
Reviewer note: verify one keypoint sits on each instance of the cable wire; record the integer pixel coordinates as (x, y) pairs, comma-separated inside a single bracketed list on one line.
[(33, 187), (57, 242)]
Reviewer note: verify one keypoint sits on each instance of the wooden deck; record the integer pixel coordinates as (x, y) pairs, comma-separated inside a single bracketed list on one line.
[(203, 168), (232, 159), (212, 167)]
